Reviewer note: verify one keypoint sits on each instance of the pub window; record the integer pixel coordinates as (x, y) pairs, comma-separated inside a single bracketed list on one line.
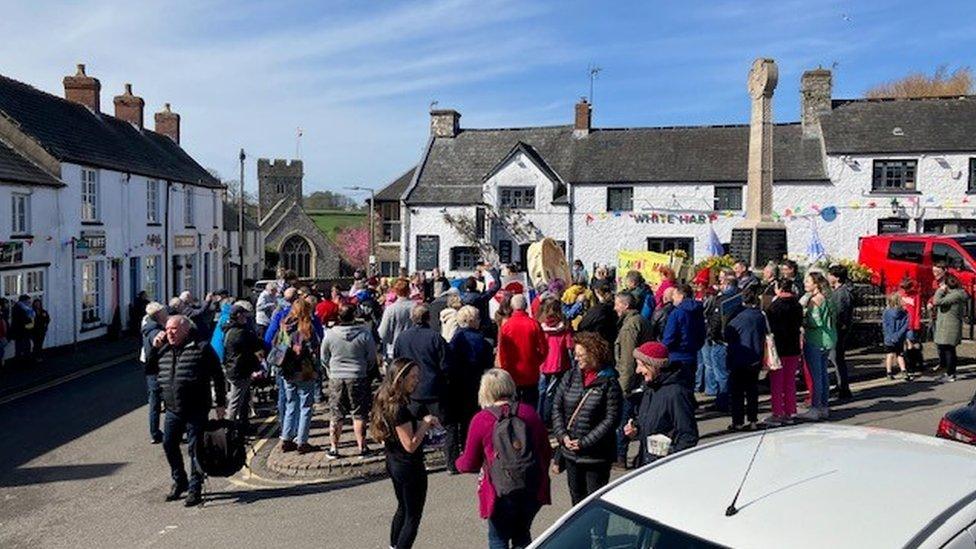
[(972, 175), (152, 201), (390, 213), (389, 268), (889, 225), (188, 206), (516, 197), (151, 276), (13, 284), (894, 175), (464, 258), (664, 245), (479, 223), (89, 195), (92, 288), (505, 251), (728, 198), (20, 213), (620, 199)]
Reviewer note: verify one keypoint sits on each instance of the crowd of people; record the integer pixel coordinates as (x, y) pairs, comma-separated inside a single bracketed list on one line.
[(24, 322), (493, 377)]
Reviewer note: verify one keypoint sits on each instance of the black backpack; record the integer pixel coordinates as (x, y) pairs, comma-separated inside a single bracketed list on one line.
[(515, 467), (220, 448)]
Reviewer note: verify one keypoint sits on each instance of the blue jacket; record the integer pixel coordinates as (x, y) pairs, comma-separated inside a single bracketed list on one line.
[(272, 331), (684, 333), (894, 325), (217, 339), (746, 338)]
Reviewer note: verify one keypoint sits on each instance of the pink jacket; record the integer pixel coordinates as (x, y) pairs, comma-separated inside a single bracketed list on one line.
[(659, 293), (559, 338), (479, 453)]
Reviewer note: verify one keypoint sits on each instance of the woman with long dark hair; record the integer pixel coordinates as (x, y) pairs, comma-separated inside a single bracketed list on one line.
[(396, 424), (300, 371)]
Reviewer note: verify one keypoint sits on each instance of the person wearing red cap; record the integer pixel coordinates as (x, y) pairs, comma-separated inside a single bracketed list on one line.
[(665, 421)]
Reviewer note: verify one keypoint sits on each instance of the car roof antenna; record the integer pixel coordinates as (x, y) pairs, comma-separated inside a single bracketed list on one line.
[(731, 509)]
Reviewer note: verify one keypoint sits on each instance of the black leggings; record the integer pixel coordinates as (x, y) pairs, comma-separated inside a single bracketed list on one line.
[(586, 478), (744, 386), (947, 359), (410, 485)]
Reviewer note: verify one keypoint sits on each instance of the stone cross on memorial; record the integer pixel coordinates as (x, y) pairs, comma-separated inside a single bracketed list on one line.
[(759, 239)]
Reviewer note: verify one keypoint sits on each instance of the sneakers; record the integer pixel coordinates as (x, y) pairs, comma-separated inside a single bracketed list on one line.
[(176, 491), (332, 453), (946, 378), (288, 446), (193, 499), (156, 439), (811, 414), (365, 452), (908, 377), (891, 376), (773, 421)]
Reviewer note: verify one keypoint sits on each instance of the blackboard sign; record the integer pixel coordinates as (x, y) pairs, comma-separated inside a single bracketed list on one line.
[(428, 252), (770, 246), (741, 245)]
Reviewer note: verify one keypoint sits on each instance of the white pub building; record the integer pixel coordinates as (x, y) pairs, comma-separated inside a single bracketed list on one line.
[(848, 168), (96, 207)]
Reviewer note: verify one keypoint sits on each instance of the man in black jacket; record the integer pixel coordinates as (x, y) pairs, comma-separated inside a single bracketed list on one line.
[(665, 422), (242, 348), (601, 319), (186, 369), (842, 298), (427, 348), (153, 319)]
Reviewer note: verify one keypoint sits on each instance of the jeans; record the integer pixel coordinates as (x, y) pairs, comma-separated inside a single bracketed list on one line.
[(701, 372), (547, 390), (410, 486), (782, 387), (155, 399), (511, 522), (744, 385), (239, 400), (280, 381), (298, 411), (816, 359), (948, 359), (173, 428), (716, 373)]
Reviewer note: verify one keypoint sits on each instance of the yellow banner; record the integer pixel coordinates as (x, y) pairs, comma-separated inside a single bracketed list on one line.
[(646, 263)]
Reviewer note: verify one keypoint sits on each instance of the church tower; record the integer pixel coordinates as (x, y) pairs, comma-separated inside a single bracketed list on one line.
[(278, 179)]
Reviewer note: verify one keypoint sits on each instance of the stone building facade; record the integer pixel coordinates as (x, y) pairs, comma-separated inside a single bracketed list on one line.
[(287, 229)]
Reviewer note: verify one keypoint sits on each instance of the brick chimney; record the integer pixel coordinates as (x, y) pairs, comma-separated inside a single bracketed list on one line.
[(445, 123), (168, 123), (83, 89), (815, 96), (584, 113), (129, 107)]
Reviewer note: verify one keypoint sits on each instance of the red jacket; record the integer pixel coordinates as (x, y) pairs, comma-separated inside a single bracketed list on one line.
[(479, 452), (559, 340), (522, 348), (327, 311)]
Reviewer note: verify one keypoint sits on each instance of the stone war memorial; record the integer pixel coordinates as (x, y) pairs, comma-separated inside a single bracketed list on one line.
[(759, 239)]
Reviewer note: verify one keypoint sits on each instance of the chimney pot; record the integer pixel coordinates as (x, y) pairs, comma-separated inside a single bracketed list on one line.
[(168, 123), (83, 89), (584, 113), (445, 123), (129, 107), (815, 99)]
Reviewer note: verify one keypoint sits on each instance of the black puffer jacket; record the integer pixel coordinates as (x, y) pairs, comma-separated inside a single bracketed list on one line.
[(241, 345), (667, 408), (185, 373), (596, 423), (150, 329)]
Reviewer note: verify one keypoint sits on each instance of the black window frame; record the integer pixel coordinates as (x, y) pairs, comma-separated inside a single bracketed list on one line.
[(902, 222), (516, 198), (883, 181), (972, 176), (505, 251), (389, 213), (455, 257), (627, 201), (915, 255), (687, 241), (727, 203), (480, 222)]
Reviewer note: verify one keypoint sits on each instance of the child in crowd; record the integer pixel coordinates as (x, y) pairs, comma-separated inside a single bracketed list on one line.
[(894, 324)]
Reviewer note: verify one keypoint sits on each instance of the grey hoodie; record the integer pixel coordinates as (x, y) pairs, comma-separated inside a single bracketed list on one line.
[(348, 350)]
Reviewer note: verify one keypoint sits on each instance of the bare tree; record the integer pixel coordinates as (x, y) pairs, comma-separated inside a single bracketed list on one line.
[(941, 83)]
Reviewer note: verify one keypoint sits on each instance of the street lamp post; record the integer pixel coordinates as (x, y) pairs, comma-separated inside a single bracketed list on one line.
[(240, 232), (372, 225)]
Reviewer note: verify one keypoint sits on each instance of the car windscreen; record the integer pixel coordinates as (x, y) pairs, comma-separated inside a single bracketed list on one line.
[(602, 525)]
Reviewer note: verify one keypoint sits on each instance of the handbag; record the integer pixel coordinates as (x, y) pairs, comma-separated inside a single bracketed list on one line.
[(771, 359), (560, 457)]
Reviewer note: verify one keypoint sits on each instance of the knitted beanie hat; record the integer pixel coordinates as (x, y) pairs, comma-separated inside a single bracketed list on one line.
[(652, 351)]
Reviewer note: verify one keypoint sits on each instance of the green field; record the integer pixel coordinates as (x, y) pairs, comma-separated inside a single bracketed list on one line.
[(330, 222)]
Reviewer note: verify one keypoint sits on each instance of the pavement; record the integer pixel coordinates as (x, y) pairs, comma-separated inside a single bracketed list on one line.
[(77, 470)]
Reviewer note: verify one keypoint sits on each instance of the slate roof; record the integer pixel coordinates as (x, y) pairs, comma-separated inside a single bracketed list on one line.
[(926, 125), (455, 168), (14, 168), (394, 190), (231, 221), (72, 133)]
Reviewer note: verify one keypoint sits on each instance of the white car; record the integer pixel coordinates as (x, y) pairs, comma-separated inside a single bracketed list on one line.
[(816, 486)]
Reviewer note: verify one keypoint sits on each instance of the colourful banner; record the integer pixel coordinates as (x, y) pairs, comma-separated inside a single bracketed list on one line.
[(646, 263)]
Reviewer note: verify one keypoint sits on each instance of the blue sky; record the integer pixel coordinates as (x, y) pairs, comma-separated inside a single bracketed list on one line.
[(359, 77)]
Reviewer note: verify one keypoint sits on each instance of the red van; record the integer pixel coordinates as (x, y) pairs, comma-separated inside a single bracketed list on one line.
[(893, 257)]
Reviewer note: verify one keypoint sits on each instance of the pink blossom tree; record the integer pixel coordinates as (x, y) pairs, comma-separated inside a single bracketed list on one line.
[(353, 244)]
